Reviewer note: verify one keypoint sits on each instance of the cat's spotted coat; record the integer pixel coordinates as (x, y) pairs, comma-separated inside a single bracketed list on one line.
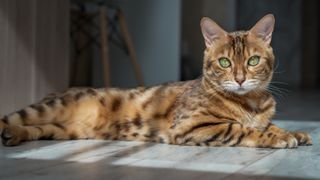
[(228, 106)]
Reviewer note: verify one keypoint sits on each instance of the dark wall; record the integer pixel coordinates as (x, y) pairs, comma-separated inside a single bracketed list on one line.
[(310, 46)]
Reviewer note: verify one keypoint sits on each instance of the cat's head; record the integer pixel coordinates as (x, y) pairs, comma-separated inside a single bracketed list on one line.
[(238, 62)]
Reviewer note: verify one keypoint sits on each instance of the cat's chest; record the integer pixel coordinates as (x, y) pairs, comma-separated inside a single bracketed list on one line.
[(252, 104), (246, 111), (252, 115)]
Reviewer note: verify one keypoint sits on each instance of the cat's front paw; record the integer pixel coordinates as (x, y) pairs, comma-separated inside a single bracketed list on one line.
[(304, 139), (284, 141)]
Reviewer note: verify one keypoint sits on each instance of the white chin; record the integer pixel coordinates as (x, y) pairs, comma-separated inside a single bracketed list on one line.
[(240, 91)]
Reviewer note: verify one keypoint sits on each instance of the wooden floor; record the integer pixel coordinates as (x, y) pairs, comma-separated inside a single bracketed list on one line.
[(110, 160)]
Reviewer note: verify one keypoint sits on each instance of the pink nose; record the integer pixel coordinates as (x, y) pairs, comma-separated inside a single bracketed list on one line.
[(240, 80)]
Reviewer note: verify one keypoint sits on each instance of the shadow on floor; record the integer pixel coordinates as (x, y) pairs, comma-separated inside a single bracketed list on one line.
[(100, 168)]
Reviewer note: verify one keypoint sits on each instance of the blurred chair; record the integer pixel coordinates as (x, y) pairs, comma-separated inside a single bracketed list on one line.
[(108, 29)]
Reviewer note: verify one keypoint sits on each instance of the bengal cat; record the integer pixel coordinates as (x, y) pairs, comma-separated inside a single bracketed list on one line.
[(228, 106)]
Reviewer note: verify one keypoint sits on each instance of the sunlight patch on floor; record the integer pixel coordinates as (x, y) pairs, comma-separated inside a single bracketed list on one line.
[(206, 167), (75, 151)]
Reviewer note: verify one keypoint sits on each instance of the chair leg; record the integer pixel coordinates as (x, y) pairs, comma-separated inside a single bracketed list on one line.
[(132, 53), (104, 45)]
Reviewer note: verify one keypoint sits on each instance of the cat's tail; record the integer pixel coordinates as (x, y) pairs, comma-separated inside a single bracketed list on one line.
[(44, 112), (33, 116), (47, 119), (49, 110)]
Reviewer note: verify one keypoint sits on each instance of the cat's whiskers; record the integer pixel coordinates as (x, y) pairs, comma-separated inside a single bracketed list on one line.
[(278, 92), (278, 82), (279, 72), (279, 88)]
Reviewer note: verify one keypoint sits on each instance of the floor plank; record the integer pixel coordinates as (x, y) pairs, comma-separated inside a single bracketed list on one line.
[(96, 159)]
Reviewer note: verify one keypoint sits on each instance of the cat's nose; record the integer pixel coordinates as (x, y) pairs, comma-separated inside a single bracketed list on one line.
[(240, 80), (239, 77)]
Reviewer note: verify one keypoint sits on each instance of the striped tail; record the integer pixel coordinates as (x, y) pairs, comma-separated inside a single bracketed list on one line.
[(48, 119), (46, 111), (33, 121)]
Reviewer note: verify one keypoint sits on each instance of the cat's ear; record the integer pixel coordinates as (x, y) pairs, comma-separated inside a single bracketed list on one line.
[(264, 28), (211, 31)]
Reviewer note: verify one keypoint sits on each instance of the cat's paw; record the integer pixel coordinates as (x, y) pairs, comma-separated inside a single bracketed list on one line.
[(284, 141), (304, 139), (11, 136)]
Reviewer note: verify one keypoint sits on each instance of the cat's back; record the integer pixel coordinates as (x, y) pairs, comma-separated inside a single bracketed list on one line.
[(147, 102), (155, 102)]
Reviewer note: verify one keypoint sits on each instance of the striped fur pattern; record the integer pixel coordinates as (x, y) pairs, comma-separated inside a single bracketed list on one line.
[(208, 111)]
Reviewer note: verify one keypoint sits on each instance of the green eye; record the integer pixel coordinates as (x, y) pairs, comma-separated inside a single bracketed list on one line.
[(254, 60), (224, 62)]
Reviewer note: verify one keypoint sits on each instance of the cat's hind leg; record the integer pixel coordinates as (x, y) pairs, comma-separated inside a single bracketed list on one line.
[(69, 116), (16, 127), (13, 135)]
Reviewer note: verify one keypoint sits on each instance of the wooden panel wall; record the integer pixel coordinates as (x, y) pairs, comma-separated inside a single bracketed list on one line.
[(34, 50)]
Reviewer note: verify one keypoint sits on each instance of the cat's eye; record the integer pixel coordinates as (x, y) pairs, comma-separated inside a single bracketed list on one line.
[(254, 60), (224, 62)]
